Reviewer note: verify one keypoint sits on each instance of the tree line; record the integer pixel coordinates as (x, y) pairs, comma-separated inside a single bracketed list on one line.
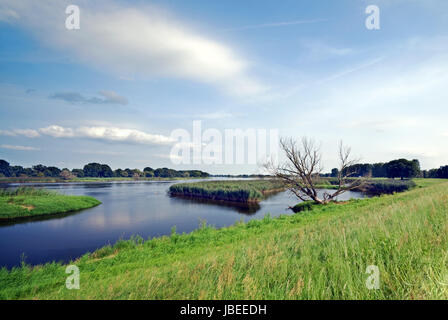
[(441, 173), (400, 168), (95, 170)]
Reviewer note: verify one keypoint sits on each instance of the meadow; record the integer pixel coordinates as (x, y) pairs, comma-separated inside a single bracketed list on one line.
[(26, 202), (318, 254)]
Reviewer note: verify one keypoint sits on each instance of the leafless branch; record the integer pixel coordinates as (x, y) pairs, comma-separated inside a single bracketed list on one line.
[(303, 169)]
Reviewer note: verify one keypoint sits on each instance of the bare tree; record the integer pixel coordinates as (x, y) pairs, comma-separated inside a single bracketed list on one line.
[(302, 170)]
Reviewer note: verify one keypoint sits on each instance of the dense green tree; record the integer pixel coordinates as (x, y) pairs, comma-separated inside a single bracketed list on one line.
[(39, 169), (165, 173), (120, 173), (403, 168), (106, 171), (97, 170), (148, 172), (92, 169), (379, 170), (52, 172), (78, 173), (334, 172), (5, 169), (17, 171), (359, 170)]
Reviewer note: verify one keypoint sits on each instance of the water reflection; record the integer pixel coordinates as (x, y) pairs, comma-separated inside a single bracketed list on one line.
[(243, 208)]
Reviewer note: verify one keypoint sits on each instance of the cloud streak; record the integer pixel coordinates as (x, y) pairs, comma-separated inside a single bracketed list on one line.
[(113, 134), (18, 148), (29, 133), (108, 97), (143, 42)]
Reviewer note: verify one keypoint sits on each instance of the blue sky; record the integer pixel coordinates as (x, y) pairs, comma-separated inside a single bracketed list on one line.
[(114, 90)]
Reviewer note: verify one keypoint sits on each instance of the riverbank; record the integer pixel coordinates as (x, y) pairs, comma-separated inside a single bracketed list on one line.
[(319, 254), (29, 202)]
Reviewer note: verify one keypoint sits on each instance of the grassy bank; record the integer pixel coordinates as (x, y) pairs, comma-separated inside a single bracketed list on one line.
[(234, 191), (30, 202), (319, 254)]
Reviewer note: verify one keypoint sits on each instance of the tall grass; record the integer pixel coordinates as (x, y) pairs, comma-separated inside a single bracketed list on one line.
[(30, 202), (26, 191), (319, 254), (377, 186), (235, 191)]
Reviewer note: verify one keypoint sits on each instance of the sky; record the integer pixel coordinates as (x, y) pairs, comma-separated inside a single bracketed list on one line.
[(115, 90)]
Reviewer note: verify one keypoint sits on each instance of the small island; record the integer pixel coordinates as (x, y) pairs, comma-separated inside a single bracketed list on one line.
[(242, 191), (25, 202)]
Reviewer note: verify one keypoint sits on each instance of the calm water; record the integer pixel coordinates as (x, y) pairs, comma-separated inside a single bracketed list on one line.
[(128, 208)]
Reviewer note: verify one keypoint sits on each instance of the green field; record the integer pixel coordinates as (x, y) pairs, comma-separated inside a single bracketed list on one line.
[(229, 190), (319, 254), (29, 202)]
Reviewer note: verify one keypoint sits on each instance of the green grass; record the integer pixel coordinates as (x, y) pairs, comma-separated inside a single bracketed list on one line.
[(318, 254), (235, 191), (305, 206), (373, 186), (30, 202)]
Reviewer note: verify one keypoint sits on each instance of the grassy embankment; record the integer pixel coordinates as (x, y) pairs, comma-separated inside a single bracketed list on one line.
[(27, 202), (231, 190), (320, 254)]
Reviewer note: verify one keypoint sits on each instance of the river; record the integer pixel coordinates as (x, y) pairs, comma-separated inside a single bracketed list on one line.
[(128, 208)]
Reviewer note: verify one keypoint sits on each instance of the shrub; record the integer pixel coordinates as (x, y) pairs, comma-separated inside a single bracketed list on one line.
[(304, 206)]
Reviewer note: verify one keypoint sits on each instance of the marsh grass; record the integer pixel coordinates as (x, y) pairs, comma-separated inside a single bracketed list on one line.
[(318, 254), (234, 191), (376, 186), (26, 202)]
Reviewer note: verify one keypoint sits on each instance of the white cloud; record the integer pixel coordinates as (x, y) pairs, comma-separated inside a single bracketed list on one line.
[(20, 132), (142, 41), (107, 134), (109, 97), (19, 148), (58, 132), (113, 97)]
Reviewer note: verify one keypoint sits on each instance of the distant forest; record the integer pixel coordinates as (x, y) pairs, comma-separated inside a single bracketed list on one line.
[(95, 170), (400, 168)]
